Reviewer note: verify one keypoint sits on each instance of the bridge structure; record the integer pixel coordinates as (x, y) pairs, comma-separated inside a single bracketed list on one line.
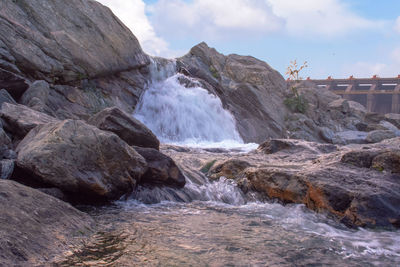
[(381, 95)]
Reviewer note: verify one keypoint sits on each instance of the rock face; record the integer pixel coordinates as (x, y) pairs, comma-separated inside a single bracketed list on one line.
[(36, 226), (162, 170), (19, 119), (86, 163), (249, 88), (67, 39), (126, 127), (85, 58)]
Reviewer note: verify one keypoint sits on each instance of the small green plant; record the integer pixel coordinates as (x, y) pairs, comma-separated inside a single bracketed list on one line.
[(214, 72), (296, 102), (208, 166)]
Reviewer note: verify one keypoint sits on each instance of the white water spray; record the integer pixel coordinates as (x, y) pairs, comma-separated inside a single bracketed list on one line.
[(184, 115)]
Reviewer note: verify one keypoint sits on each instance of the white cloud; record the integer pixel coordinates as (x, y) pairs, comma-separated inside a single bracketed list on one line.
[(324, 18), (397, 25), (132, 14), (210, 19)]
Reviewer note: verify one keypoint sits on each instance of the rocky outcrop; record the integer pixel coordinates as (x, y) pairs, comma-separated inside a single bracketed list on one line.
[(86, 163), (35, 227), (126, 127), (356, 184), (66, 40), (249, 88), (162, 170), (19, 119)]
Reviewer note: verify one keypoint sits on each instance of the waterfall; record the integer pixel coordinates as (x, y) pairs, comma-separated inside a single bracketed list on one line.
[(178, 110)]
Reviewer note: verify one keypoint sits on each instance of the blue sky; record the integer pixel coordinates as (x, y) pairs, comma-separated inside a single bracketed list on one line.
[(338, 38)]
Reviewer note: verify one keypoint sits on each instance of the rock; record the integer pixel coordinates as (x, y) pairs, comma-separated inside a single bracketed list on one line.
[(249, 88), (388, 126), (360, 158), (36, 96), (126, 127), (230, 169), (6, 168), (277, 145), (13, 83), (389, 161), (393, 118), (372, 117), (162, 170), (54, 192), (67, 40), (5, 97), (357, 198), (327, 134), (36, 227), (350, 137), (86, 163), (20, 119), (379, 135)]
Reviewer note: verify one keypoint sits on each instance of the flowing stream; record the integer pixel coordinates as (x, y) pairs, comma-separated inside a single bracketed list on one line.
[(215, 224)]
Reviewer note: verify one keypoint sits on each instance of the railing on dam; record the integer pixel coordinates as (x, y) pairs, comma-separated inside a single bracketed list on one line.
[(377, 94)]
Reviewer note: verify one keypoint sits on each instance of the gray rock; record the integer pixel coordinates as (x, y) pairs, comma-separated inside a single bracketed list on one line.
[(388, 126), (36, 227), (393, 118), (379, 135), (350, 137), (13, 83), (327, 134), (6, 168), (54, 192), (20, 119), (36, 96), (86, 163), (162, 170), (5, 97), (126, 127), (68, 40)]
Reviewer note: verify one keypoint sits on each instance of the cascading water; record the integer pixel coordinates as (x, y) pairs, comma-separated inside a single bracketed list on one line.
[(187, 115), (214, 223)]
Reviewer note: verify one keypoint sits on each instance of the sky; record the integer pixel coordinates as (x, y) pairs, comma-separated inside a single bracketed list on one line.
[(337, 38)]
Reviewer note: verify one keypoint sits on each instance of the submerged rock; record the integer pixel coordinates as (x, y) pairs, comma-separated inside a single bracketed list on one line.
[(35, 226), (162, 170), (126, 127), (86, 163)]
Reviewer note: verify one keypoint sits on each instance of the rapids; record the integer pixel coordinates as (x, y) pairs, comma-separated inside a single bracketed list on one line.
[(214, 223)]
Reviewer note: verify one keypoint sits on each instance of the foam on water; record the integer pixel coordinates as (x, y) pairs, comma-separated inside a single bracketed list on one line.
[(185, 115)]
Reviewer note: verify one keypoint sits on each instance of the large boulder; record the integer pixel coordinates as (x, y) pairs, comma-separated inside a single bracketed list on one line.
[(162, 170), (86, 163), (67, 40), (19, 119), (36, 227), (126, 127), (379, 135), (249, 88)]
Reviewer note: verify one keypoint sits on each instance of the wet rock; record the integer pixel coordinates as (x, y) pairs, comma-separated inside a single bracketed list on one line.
[(126, 127), (36, 227), (286, 145), (86, 163), (379, 135), (388, 161), (19, 119), (162, 170), (229, 169)]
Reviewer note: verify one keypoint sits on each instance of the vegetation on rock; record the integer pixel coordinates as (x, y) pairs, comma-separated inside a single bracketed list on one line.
[(296, 102)]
